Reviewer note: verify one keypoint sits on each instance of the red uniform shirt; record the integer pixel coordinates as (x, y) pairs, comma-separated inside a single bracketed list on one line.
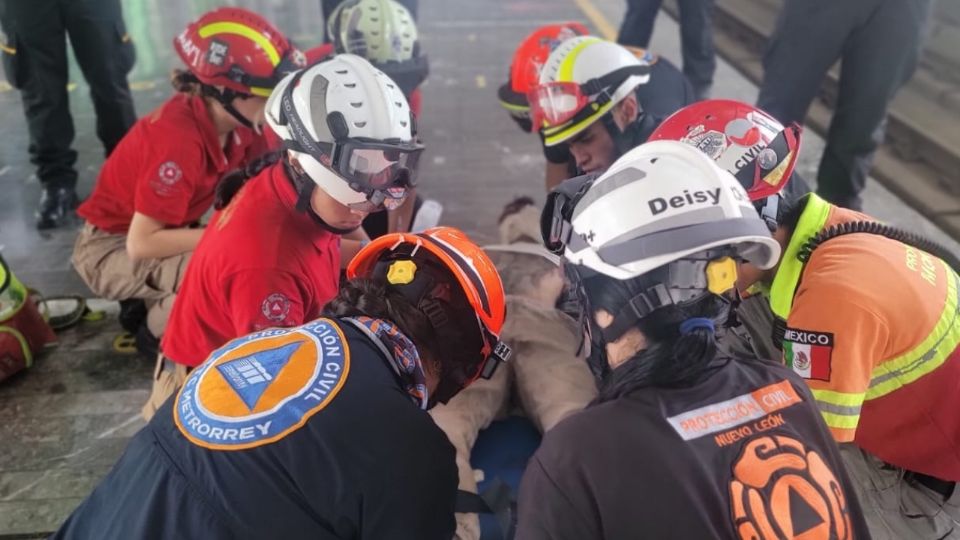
[(167, 167), (260, 264)]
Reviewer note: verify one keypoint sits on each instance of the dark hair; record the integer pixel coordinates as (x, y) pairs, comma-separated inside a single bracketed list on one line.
[(230, 184), (377, 299), (185, 82), (672, 359), (364, 297)]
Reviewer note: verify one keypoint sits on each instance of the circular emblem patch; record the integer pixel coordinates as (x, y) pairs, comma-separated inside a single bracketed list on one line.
[(275, 307), (767, 159), (257, 389), (781, 489), (169, 173)]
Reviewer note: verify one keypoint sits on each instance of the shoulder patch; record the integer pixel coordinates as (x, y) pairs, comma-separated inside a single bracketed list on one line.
[(260, 388), (168, 174), (275, 307), (808, 353)]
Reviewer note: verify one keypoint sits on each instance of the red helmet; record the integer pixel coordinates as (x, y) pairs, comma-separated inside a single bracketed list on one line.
[(528, 59), (747, 142), (237, 49), (399, 259)]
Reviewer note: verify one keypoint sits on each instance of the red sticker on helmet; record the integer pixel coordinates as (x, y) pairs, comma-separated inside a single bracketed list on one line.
[(743, 132)]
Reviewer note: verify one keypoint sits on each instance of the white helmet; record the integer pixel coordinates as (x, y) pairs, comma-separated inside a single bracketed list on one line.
[(582, 80), (659, 203), (385, 33), (350, 129)]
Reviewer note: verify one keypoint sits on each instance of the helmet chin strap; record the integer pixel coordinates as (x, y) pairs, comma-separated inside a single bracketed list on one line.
[(225, 99), (304, 187), (633, 135)]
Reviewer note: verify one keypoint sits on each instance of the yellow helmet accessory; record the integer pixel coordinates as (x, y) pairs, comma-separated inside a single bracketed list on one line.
[(721, 275), (401, 272)]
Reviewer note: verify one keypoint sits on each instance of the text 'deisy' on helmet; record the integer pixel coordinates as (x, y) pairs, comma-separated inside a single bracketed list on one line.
[(582, 80), (348, 126), (659, 203)]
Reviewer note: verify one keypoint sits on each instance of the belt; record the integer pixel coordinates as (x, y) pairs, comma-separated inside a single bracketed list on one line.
[(170, 366)]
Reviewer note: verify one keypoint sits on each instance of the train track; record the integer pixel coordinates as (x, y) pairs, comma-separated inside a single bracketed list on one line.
[(920, 158)]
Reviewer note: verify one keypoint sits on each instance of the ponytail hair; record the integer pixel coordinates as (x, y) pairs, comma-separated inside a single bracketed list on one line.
[(673, 358), (185, 82), (230, 184)]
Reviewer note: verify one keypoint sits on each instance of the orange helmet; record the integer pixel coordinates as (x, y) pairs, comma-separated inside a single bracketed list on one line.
[(416, 263), (527, 62)]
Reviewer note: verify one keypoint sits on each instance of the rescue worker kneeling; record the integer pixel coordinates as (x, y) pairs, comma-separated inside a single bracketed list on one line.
[(320, 431), (869, 315), (143, 217), (272, 253), (682, 441)]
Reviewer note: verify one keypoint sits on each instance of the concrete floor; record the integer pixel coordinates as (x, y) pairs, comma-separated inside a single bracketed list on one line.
[(67, 419)]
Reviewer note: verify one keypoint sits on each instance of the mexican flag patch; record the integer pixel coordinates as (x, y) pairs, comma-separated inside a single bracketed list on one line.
[(808, 353)]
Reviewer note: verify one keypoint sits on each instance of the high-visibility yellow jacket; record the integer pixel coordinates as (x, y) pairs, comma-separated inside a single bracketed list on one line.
[(872, 324)]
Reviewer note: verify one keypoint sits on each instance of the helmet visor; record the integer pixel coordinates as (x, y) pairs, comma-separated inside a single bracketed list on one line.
[(555, 103)]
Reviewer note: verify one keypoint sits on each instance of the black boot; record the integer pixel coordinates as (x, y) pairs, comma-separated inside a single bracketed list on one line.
[(57, 204), (147, 344), (133, 314)]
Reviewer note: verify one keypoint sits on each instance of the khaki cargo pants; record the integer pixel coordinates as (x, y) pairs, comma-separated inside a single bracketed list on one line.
[(168, 377), (896, 509), (101, 260), (550, 380)]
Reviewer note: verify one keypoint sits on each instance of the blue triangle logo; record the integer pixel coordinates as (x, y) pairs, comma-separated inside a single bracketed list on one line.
[(251, 375)]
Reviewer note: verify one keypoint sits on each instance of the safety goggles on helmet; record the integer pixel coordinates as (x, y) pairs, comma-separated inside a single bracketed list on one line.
[(383, 170), (555, 221), (556, 103)]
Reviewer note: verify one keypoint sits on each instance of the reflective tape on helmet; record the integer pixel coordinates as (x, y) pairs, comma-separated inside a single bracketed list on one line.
[(559, 134), (245, 31), (565, 72)]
